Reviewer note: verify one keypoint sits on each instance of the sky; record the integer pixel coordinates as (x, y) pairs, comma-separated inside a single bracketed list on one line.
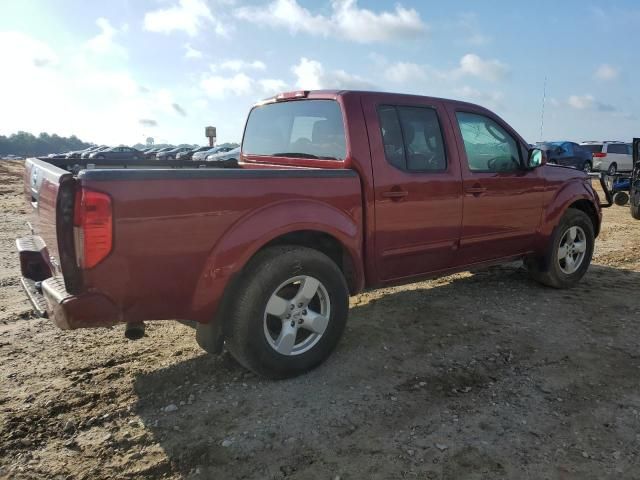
[(118, 72)]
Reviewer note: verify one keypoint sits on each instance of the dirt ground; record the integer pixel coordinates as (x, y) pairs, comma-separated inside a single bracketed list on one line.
[(474, 376)]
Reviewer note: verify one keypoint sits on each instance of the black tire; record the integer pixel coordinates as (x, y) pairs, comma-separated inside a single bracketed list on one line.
[(587, 167), (245, 333), (621, 198), (547, 270), (635, 211), (613, 169)]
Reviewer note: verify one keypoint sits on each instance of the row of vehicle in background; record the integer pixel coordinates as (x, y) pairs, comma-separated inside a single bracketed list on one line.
[(104, 152), (607, 156)]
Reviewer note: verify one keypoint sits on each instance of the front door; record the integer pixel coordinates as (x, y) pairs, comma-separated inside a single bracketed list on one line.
[(418, 194), (502, 199)]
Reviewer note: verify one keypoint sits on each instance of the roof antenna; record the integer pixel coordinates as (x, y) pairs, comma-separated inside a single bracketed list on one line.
[(544, 99)]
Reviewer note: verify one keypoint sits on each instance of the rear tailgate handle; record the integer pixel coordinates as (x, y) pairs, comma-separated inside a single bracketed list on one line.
[(476, 190), (395, 194)]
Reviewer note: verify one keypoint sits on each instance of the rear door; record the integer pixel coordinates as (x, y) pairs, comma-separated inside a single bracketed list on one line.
[(418, 195), (502, 200)]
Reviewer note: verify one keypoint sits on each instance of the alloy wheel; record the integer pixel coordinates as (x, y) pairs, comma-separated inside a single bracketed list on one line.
[(572, 249), (297, 315)]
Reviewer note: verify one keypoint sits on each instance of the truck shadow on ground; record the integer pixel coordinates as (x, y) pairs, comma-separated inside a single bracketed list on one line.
[(492, 348)]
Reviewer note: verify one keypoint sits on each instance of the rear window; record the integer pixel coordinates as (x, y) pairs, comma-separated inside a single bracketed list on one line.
[(298, 129), (617, 148), (592, 148)]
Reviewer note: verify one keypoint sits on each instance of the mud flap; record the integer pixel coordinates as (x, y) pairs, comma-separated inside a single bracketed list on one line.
[(210, 338)]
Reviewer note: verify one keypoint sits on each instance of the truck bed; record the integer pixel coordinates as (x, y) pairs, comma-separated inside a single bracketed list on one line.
[(178, 233)]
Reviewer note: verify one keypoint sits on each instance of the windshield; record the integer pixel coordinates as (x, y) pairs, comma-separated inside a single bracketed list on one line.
[(593, 148), (298, 129)]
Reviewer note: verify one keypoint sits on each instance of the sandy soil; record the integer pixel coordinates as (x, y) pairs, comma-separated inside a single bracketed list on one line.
[(473, 376)]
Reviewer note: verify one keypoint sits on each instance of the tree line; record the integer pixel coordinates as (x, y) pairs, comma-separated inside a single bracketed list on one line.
[(27, 144)]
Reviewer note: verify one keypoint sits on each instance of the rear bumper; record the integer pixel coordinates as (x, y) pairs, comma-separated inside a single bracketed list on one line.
[(50, 298)]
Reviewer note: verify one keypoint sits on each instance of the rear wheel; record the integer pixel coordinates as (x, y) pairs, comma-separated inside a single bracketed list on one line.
[(290, 311), (569, 252), (613, 169)]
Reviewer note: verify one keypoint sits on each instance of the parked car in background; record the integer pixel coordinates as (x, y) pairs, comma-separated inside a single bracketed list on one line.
[(78, 153), (171, 154), (57, 155), (188, 155), (610, 157), (117, 153), (567, 154), (226, 158), (338, 191), (151, 154), (101, 148), (202, 156)]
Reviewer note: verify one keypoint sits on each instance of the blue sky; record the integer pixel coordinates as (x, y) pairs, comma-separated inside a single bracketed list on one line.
[(119, 71)]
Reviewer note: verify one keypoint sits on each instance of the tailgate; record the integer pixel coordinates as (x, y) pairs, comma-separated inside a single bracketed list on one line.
[(49, 190)]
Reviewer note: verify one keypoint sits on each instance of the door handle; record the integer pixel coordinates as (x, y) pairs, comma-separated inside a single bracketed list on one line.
[(395, 194), (476, 190)]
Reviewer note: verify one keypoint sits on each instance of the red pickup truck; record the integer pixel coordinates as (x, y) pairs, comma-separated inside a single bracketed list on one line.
[(336, 191)]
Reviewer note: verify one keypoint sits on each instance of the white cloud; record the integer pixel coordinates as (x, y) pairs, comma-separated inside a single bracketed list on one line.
[(469, 93), (104, 43), (237, 65), (21, 51), (271, 86), (346, 20), (189, 16), (589, 102), (51, 96), (474, 65), (191, 52), (607, 72), (217, 86), (581, 102), (404, 72), (311, 75)]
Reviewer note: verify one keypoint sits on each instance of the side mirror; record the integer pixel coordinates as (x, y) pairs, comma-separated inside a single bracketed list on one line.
[(536, 158)]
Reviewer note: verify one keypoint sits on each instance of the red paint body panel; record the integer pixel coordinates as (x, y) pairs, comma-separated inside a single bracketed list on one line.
[(178, 238)]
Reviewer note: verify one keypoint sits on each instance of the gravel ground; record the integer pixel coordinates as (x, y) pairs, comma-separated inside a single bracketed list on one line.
[(480, 375)]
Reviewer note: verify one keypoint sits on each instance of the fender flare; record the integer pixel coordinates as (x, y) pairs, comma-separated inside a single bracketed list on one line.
[(252, 232), (565, 197)]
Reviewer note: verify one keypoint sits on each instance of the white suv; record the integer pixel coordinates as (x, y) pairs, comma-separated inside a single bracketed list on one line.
[(610, 157)]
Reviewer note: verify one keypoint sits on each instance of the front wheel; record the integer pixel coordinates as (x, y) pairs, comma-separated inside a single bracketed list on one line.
[(569, 252), (612, 170), (289, 313), (587, 167)]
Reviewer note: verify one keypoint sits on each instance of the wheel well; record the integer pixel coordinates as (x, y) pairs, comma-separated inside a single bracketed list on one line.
[(587, 207), (325, 243)]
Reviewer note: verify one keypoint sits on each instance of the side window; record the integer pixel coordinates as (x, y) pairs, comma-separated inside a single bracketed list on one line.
[(629, 149), (488, 146), (568, 148), (412, 138), (392, 136), (617, 148)]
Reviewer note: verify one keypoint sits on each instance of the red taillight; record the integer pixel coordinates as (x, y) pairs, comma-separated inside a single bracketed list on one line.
[(599, 155), (93, 226)]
